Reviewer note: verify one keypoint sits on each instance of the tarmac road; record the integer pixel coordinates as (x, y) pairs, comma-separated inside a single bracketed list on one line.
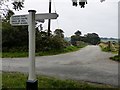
[(88, 64)]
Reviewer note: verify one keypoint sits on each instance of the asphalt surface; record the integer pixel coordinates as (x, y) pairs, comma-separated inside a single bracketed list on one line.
[(88, 64)]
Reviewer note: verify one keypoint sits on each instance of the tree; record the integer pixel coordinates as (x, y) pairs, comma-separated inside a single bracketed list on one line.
[(8, 15), (14, 38), (81, 3), (18, 5), (59, 33), (78, 33), (92, 38), (75, 38)]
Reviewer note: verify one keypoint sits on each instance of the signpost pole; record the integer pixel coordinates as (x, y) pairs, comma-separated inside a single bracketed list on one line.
[(49, 20), (32, 83)]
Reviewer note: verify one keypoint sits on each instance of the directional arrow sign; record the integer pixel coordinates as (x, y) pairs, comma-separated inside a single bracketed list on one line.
[(23, 19), (46, 16), (19, 20)]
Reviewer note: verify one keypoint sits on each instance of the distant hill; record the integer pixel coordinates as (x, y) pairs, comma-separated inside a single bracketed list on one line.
[(108, 39), (102, 39), (68, 39)]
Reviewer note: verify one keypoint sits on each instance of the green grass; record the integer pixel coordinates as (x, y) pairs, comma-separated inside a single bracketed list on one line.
[(14, 54), (105, 48), (18, 80), (45, 53), (115, 58)]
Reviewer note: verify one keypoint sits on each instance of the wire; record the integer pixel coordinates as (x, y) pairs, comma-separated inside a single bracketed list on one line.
[(56, 12), (54, 5)]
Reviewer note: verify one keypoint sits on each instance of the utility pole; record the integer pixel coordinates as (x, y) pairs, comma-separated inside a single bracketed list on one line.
[(49, 20)]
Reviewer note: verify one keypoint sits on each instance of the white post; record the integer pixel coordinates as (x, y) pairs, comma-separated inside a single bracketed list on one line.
[(31, 29), (32, 83)]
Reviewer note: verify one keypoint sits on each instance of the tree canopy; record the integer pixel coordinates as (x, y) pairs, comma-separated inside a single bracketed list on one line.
[(16, 38), (90, 38), (59, 33), (78, 33)]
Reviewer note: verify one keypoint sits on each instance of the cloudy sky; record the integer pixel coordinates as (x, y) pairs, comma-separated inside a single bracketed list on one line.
[(101, 18)]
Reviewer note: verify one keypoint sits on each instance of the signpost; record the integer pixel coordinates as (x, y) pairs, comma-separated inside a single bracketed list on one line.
[(17, 20), (29, 20)]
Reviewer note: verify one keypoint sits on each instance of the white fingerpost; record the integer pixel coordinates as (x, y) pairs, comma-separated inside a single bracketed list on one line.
[(32, 83), (18, 20), (31, 29)]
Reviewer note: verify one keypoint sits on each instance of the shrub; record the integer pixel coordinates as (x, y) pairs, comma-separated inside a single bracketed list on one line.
[(116, 58)]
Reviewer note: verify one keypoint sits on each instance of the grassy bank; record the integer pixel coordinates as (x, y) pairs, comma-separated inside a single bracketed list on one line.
[(105, 47), (113, 49), (115, 58), (18, 80), (45, 53)]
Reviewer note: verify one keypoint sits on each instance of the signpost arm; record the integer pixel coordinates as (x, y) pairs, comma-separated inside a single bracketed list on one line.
[(32, 81)]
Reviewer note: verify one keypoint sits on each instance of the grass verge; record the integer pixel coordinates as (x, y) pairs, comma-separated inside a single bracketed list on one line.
[(115, 58), (45, 53), (18, 80), (106, 49)]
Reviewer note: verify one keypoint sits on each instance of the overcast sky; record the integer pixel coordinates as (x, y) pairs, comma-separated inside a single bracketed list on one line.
[(96, 17)]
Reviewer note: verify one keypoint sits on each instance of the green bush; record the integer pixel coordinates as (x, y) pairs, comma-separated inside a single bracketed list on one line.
[(116, 58), (15, 39), (50, 43), (106, 49)]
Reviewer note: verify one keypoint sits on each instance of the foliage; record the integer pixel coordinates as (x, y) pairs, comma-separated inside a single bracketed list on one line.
[(74, 39), (15, 42), (18, 80), (14, 54), (109, 47), (59, 33), (46, 43), (116, 58), (14, 38), (78, 33), (43, 53), (18, 5), (91, 38), (8, 15), (106, 49), (119, 47)]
